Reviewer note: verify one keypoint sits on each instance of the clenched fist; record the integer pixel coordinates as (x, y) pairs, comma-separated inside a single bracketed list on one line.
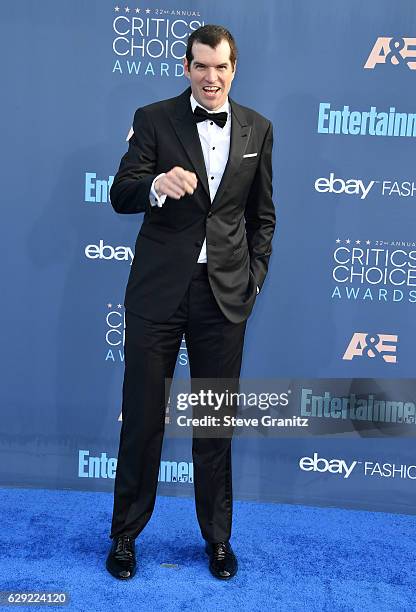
[(176, 183)]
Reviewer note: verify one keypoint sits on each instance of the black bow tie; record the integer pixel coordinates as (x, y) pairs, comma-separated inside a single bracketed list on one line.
[(219, 118)]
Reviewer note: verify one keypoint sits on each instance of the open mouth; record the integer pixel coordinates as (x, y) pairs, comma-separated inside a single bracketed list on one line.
[(211, 91)]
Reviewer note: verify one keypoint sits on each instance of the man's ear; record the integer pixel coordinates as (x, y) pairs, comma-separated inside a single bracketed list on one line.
[(235, 67), (186, 68)]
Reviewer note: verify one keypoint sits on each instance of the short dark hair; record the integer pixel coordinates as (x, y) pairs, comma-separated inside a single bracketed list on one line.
[(211, 35)]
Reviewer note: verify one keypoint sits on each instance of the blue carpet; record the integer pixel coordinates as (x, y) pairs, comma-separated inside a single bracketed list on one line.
[(292, 558)]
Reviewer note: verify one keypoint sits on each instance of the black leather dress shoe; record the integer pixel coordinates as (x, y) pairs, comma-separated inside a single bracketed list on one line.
[(121, 560), (222, 560)]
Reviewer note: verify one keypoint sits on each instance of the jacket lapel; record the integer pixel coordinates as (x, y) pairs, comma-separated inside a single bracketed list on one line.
[(240, 135), (187, 132)]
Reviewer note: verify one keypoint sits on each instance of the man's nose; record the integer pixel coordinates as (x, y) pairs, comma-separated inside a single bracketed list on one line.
[(211, 75)]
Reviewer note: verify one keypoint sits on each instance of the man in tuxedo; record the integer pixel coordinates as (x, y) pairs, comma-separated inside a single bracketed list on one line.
[(199, 167)]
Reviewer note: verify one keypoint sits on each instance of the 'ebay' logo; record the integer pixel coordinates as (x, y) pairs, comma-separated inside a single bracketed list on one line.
[(348, 187), (106, 251), (334, 466)]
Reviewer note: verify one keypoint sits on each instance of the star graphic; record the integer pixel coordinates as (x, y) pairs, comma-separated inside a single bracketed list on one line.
[(147, 11), (337, 240), (127, 9), (348, 241), (358, 242), (116, 8), (109, 305), (367, 242), (137, 10), (119, 306)]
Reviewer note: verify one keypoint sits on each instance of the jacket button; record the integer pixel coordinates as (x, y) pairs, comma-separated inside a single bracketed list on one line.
[(209, 214), (198, 243)]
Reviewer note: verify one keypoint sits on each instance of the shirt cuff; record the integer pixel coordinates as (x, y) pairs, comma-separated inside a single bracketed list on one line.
[(156, 200), (258, 290)]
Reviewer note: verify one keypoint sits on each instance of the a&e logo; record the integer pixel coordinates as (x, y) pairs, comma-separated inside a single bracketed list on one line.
[(380, 346), (393, 51)]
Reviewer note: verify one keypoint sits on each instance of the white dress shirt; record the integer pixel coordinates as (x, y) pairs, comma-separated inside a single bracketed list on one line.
[(215, 143)]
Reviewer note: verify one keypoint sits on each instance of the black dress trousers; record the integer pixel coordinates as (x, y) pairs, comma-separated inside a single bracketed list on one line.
[(215, 347)]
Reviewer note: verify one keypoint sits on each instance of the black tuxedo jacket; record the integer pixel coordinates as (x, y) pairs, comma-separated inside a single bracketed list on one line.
[(238, 225)]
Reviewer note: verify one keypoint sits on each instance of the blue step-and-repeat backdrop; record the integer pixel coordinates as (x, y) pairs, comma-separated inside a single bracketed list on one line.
[(333, 329)]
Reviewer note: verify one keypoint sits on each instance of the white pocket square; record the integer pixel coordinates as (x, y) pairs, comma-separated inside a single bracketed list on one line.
[(250, 155)]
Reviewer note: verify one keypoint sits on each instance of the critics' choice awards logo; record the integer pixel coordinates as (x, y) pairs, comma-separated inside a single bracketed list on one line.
[(115, 326), (392, 52), (380, 346), (374, 271), (360, 189), (115, 329), (151, 41)]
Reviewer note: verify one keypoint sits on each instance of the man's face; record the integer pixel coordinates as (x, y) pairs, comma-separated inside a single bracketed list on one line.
[(210, 73)]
